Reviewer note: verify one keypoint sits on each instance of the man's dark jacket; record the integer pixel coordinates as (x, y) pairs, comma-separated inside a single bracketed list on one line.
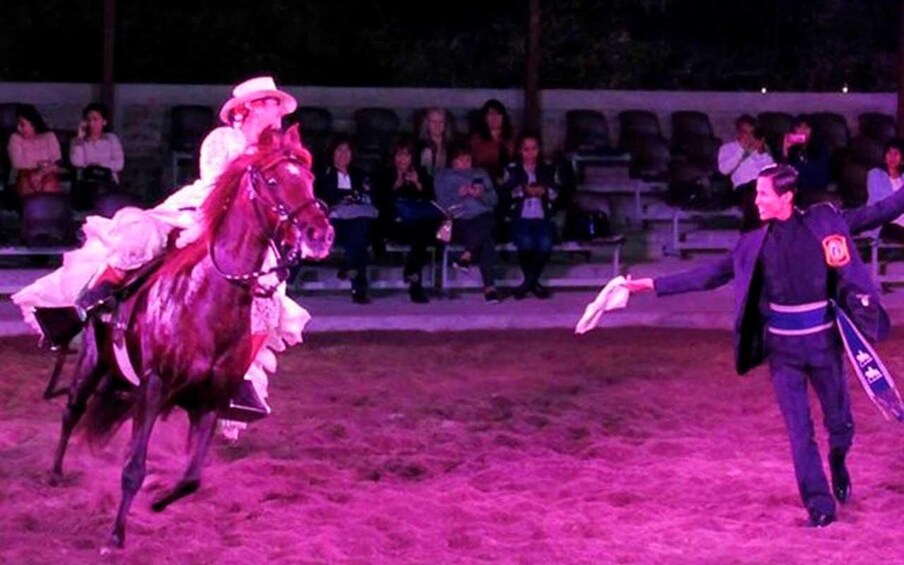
[(851, 286)]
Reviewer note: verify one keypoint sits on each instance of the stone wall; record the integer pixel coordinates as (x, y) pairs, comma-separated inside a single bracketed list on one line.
[(142, 110)]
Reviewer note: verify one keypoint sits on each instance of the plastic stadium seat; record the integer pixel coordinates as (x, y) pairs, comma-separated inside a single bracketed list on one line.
[(316, 125), (46, 220), (109, 203), (867, 151), (376, 129), (878, 126), (636, 123), (702, 150), (832, 129), (852, 187), (650, 158), (689, 124), (586, 132), (775, 125), (189, 124)]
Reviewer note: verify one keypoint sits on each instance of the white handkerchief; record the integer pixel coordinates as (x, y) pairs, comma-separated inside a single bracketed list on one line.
[(614, 295)]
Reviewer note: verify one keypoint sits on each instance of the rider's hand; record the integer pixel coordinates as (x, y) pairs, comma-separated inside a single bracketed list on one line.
[(639, 285)]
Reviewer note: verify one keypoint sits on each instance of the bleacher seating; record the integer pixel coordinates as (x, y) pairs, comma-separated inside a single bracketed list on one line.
[(376, 129), (878, 126), (316, 126), (188, 124)]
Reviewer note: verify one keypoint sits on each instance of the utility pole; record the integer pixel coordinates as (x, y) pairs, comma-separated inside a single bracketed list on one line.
[(901, 67), (532, 70), (108, 87)]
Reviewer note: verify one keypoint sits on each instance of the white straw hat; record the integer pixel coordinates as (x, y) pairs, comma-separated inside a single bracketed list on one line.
[(255, 89)]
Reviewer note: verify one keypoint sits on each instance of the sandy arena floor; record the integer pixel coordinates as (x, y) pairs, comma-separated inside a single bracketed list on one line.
[(630, 446)]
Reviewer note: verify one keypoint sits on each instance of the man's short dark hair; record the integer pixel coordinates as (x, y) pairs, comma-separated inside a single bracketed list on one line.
[(745, 120), (784, 177)]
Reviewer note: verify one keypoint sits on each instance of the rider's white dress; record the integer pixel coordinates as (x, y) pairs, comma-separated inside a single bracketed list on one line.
[(133, 236)]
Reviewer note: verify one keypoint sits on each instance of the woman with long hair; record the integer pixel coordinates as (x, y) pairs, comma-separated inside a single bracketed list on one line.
[(884, 181)]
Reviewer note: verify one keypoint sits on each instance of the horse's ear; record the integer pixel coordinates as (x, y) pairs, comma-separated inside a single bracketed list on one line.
[(293, 135)]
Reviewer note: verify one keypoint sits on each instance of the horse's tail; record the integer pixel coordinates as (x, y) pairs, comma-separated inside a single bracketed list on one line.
[(112, 402), (111, 405)]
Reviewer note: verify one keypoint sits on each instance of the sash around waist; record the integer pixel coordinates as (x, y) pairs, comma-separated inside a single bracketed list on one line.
[(800, 319)]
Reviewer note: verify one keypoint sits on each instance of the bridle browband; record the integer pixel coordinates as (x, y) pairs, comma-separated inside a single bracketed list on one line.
[(284, 215)]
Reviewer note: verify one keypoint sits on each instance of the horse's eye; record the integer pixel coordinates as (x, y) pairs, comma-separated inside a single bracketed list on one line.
[(271, 182)]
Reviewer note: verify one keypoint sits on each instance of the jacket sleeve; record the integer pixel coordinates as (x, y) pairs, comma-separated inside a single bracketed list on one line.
[(706, 277), (730, 157), (874, 215)]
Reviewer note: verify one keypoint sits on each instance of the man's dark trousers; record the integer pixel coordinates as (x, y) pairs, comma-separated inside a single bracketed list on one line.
[(793, 365)]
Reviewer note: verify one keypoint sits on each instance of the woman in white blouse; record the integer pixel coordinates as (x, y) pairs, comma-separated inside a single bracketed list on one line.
[(96, 153)]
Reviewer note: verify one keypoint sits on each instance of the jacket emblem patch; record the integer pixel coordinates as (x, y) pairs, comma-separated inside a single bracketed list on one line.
[(836, 251)]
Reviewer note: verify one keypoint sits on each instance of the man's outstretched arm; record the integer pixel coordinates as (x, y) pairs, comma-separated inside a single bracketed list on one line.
[(706, 277), (875, 215)]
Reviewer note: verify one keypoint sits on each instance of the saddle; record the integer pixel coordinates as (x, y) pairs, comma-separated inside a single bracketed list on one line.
[(60, 325)]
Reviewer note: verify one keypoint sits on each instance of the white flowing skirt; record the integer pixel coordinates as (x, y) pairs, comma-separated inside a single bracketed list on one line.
[(130, 239)]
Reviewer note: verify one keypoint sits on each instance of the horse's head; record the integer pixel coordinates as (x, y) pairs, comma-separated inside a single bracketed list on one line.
[(281, 179)]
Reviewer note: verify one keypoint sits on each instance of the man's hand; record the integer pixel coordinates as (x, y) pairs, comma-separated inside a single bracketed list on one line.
[(639, 285)]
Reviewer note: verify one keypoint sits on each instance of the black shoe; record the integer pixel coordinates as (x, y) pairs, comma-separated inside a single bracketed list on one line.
[(59, 326), (96, 297), (417, 294), (520, 291), (245, 405), (841, 479), (360, 297), (463, 265), (492, 297), (820, 519), (540, 291)]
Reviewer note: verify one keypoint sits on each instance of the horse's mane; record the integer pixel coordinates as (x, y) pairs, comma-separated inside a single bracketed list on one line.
[(271, 142), (217, 204)]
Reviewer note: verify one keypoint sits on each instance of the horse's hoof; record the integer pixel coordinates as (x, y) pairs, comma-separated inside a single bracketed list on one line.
[(159, 505), (116, 541)]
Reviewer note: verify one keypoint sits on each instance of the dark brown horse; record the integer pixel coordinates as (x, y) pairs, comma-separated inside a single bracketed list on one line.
[(187, 327)]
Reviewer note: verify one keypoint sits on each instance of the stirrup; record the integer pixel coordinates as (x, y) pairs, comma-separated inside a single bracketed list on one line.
[(59, 326), (245, 405)]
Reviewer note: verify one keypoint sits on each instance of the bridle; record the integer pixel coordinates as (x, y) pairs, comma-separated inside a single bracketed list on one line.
[(257, 176)]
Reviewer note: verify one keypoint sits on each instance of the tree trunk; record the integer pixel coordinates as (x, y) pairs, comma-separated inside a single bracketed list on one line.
[(107, 87), (532, 70), (901, 67)]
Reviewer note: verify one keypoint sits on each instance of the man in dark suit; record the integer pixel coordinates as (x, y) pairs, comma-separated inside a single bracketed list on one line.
[(789, 276)]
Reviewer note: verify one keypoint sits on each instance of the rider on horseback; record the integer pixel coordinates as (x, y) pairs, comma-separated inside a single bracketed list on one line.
[(120, 250)]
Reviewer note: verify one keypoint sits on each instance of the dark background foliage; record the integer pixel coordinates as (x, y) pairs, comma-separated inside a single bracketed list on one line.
[(619, 44)]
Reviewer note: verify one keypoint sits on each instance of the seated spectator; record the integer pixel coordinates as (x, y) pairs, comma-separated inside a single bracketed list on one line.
[(346, 189), (883, 181), (492, 148), (433, 140), (466, 193), (742, 160), (532, 186), (34, 153), (404, 195), (812, 160), (96, 154)]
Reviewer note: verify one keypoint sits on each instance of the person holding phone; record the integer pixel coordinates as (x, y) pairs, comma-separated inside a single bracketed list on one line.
[(467, 194), (533, 188), (811, 159), (742, 160), (97, 155)]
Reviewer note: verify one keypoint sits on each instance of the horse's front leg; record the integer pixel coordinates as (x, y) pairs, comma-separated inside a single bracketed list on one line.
[(88, 372), (203, 425), (148, 408)]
